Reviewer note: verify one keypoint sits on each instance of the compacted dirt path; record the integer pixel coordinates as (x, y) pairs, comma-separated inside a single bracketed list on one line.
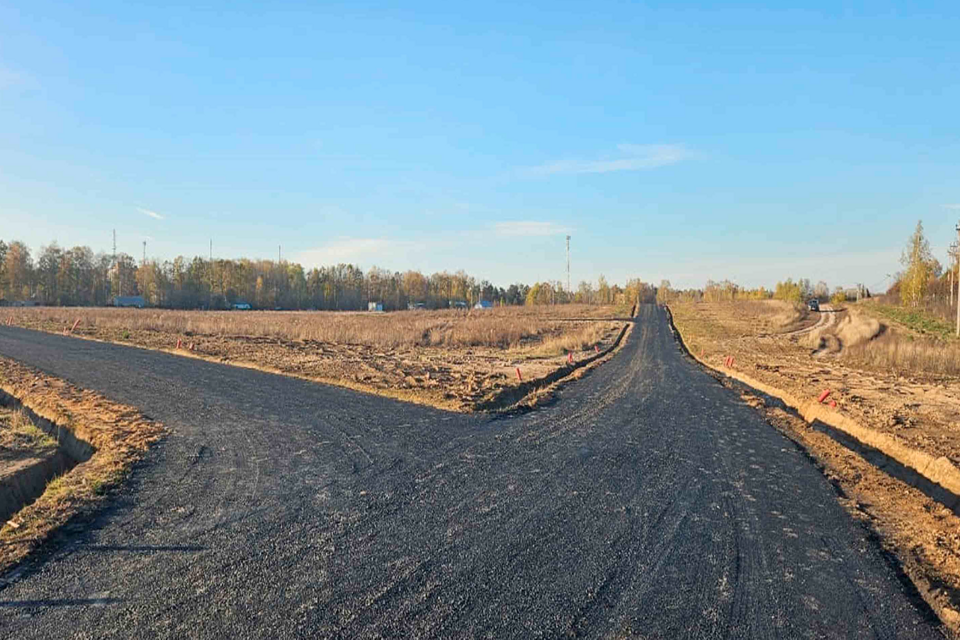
[(646, 501), (827, 318)]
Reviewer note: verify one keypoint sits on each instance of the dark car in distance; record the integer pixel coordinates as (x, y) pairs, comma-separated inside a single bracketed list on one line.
[(813, 304)]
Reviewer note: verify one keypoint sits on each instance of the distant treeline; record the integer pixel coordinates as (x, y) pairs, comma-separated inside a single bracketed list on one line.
[(79, 277)]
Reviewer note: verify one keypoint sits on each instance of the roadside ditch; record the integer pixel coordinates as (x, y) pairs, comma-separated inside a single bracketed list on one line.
[(92, 445), (25, 472), (532, 393)]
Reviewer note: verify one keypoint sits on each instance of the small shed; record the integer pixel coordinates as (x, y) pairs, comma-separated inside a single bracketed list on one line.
[(483, 304), (375, 306)]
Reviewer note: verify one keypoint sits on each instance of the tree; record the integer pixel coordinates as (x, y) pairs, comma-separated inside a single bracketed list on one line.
[(415, 286), (821, 291), (604, 295), (3, 270), (663, 292), (18, 270), (919, 268), (789, 291)]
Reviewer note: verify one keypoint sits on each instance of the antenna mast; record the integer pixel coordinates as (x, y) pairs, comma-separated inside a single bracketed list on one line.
[(116, 265), (568, 264)]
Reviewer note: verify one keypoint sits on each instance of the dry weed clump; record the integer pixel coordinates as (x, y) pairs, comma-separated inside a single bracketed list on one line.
[(18, 433), (857, 328), (506, 327)]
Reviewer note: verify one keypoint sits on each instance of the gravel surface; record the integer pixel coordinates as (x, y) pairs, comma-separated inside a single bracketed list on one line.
[(646, 501)]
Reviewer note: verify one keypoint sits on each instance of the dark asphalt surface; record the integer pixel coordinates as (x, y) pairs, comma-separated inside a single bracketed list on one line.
[(647, 501)]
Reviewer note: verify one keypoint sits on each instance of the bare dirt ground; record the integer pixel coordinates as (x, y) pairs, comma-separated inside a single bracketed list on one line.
[(453, 360), (804, 357)]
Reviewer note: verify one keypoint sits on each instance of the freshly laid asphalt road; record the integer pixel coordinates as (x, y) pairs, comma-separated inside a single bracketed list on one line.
[(647, 501)]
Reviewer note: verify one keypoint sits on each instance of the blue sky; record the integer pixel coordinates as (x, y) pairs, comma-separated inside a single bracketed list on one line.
[(676, 140)]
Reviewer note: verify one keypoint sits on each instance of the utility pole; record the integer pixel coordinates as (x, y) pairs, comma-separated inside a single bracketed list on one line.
[(953, 255), (276, 283), (958, 285), (116, 265), (144, 261), (568, 265), (210, 267)]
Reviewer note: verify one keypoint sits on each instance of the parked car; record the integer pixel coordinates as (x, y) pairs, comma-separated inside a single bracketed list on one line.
[(813, 304)]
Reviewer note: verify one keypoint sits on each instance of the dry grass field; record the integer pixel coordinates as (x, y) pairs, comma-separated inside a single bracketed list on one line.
[(452, 359), (909, 342)]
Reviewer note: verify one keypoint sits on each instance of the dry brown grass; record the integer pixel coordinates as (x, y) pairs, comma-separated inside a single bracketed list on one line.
[(906, 354), (856, 328), (18, 433), (506, 327), (741, 318), (580, 338), (777, 313)]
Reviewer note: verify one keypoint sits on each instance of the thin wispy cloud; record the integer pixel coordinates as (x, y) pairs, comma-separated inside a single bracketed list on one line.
[(529, 228), (631, 157), (152, 214), (952, 207)]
